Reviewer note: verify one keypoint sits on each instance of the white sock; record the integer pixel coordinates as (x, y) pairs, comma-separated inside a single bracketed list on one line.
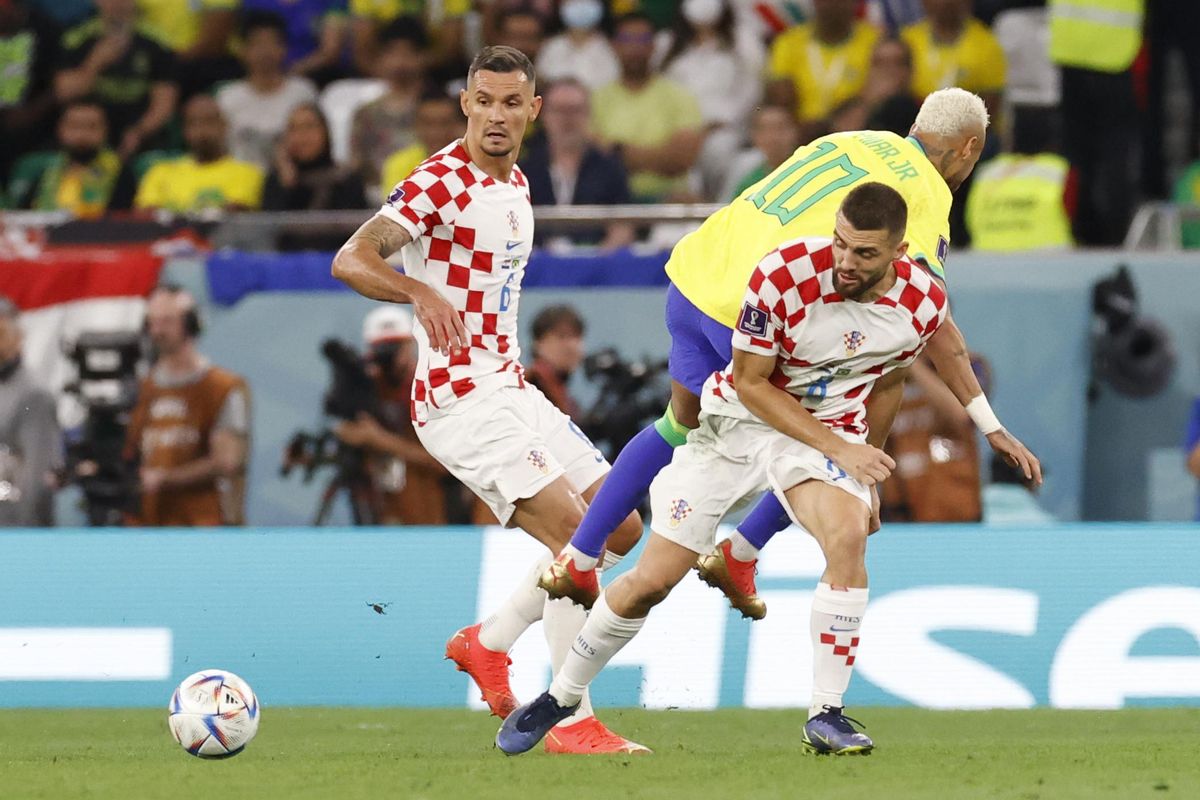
[(610, 560), (740, 547), (522, 608), (561, 622), (601, 638), (836, 617), (582, 560)]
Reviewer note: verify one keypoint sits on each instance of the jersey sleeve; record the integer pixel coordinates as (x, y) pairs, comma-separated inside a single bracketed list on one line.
[(419, 203), (929, 235), (760, 322)]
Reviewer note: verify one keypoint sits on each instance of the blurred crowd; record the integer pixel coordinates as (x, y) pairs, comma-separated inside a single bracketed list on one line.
[(193, 105)]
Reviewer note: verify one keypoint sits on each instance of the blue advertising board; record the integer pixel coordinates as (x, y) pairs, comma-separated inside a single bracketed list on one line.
[(1088, 616)]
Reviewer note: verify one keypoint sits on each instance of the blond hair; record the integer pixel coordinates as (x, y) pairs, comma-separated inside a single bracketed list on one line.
[(951, 112)]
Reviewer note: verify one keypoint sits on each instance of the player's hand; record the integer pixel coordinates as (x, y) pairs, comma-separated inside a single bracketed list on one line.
[(866, 464), (1016, 454), (445, 328)]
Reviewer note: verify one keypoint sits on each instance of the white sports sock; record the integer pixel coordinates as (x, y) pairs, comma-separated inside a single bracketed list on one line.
[(836, 617), (610, 560), (522, 608), (582, 560), (561, 622), (740, 547), (601, 638)]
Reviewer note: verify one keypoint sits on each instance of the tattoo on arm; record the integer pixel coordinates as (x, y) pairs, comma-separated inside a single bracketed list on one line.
[(382, 236)]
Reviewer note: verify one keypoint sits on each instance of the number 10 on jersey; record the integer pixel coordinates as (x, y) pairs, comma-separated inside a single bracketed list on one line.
[(830, 176)]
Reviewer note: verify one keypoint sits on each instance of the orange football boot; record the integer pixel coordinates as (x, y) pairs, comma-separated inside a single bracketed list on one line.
[(721, 570), (589, 737), (488, 668)]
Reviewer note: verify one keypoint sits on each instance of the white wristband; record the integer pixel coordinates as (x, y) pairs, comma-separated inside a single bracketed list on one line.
[(980, 412)]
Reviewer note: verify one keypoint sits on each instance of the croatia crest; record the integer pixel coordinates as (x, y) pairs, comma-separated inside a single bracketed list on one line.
[(679, 512), (853, 340), (514, 224), (538, 459)]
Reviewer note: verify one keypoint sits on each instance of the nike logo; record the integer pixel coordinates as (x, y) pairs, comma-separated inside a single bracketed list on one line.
[(511, 245), (841, 630)]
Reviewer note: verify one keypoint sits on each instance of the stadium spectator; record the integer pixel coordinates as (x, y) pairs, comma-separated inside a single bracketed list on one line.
[(410, 483), (651, 122), (886, 102), (1191, 445), (937, 460), (304, 176), (190, 428), (557, 353), (30, 444), (563, 167), (523, 29), (661, 13), (28, 45), (1099, 110), (1018, 201), (581, 51), (206, 178), (438, 122), (445, 18), (116, 58), (1032, 90), (317, 32), (200, 33), (817, 66), (383, 126), (720, 65), (952, 48), (258, 106), (775, 135), (85, 176), (1172, 31), (492, 14)]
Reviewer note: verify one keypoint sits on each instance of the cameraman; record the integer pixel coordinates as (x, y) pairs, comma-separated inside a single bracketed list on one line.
[(191, 425), (557, 352), (409, 480), (29, 435)]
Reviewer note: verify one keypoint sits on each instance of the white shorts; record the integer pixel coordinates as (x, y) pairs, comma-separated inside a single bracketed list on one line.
[(510, 445), (726, 463)]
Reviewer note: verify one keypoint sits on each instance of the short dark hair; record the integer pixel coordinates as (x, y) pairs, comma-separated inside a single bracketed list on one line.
[(405, 28), (502, 58), (552, 317), (876, 206), (263, 20)]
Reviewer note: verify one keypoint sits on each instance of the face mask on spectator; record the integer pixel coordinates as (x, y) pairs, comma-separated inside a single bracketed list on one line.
[(582, 14), (702, 12)]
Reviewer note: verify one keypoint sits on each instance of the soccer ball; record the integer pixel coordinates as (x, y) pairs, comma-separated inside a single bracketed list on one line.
[(214, 714)]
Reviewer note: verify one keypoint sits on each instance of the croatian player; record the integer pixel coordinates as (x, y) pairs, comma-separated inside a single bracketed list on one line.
[(708, 271), (824, 325), (464, 224)]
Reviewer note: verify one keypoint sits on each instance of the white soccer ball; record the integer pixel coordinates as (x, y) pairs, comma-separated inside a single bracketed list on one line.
[(214, 714)]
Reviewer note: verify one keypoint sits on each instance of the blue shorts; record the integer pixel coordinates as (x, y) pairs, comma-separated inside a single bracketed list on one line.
[(700, 345)]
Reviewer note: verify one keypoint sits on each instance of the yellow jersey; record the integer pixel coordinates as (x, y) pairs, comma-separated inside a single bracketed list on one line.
[(825, 76), (975, 61), (183, 185), (712, 265)]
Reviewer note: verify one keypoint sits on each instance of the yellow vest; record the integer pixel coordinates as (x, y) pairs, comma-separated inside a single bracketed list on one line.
[(1101, 35), (1016, 203)]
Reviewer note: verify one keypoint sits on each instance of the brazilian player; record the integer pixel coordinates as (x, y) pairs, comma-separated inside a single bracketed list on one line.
[(709, 271)]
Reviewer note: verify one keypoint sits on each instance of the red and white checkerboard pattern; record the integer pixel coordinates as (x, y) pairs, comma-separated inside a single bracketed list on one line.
[(472, 236), (792, 311), (847, 646)]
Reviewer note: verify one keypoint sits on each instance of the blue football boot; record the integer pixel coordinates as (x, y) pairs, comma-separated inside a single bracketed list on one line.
[(831, 733), (528, 724)]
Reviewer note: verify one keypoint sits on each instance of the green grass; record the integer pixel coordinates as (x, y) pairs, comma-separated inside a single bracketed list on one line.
[(394, 753)]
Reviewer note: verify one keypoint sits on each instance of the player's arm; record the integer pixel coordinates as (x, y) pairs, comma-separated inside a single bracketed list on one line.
[(783, 412), (883, 405), (361, 264), (948, 350)]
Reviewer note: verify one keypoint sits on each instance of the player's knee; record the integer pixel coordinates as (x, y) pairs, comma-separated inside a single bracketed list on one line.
[(847, 541)]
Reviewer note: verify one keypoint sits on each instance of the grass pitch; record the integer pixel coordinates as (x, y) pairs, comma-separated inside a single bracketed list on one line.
[(395, 753)]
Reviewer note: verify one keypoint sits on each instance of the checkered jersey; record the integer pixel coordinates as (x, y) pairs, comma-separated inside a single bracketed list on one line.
[(829, 350), (472, 236)]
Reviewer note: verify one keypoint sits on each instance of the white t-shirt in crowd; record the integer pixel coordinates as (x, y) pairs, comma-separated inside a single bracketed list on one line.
[(594, 64), (256, 120)]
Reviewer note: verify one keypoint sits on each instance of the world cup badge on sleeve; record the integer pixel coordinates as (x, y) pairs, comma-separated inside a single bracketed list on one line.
[(752, 321)]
